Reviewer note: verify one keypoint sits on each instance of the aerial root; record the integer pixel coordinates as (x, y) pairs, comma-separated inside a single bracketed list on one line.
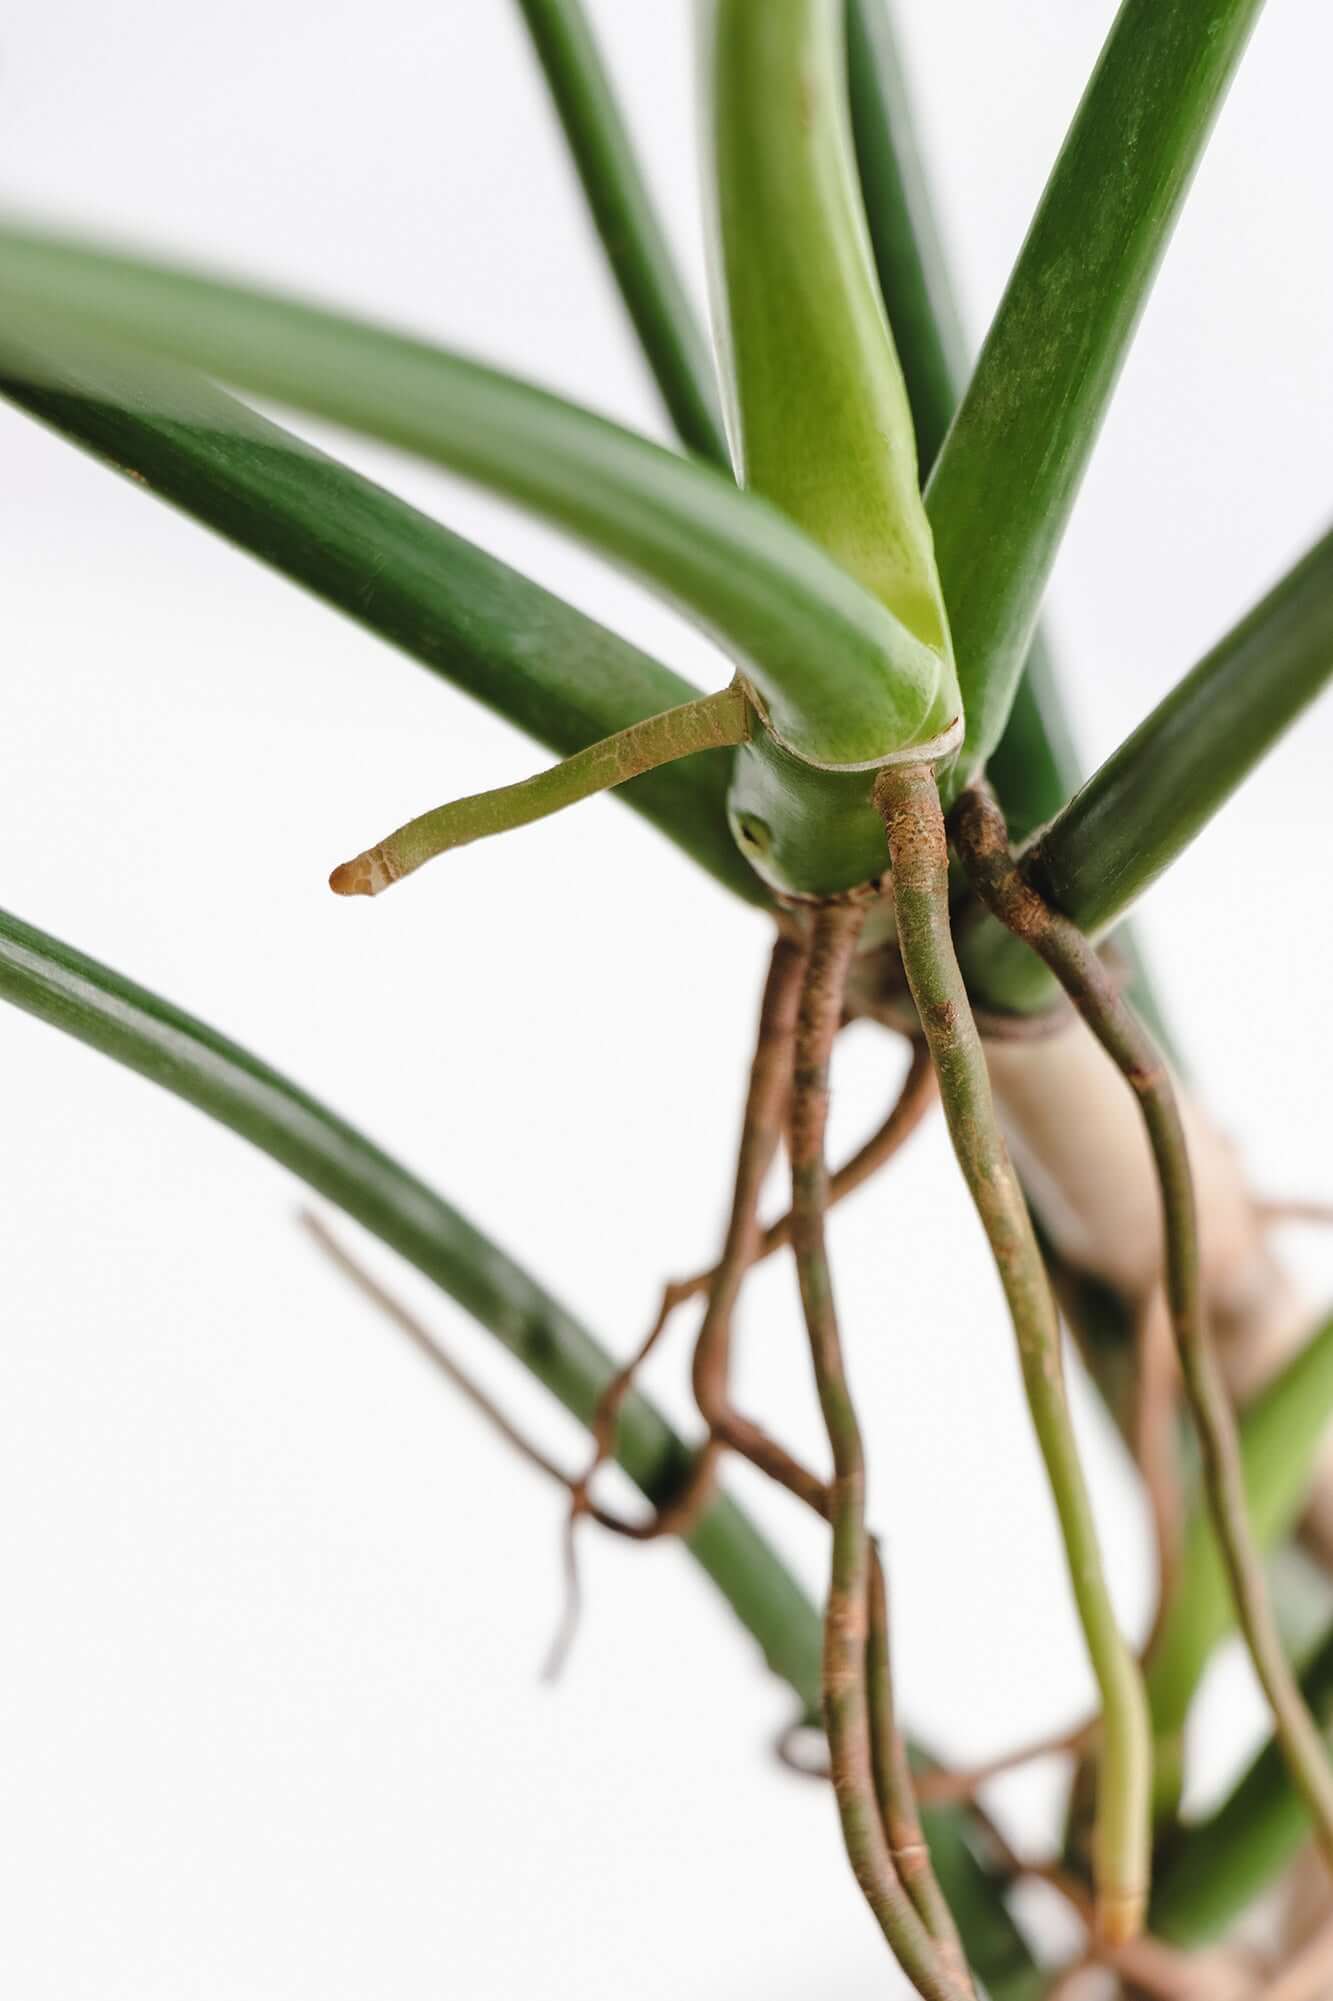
[(982, 841), (871, 1781), (761, 1136)]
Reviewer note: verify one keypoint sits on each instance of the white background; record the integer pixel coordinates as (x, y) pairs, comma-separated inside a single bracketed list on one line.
[(270, 1725)]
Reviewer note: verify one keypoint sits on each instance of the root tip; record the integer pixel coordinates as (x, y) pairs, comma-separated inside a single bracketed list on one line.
[(366, 875)]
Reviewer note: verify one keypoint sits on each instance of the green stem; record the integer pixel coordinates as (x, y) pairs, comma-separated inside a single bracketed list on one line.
[(909, 801), (1150, 799), (909, 256), (101, 1008), (1033, 767), (841, 680), (628, 224), (171, 1048), (982, 840), (820, 417), (465, 616), (836, 930), (822, 421), (1007, 476), (710, 722)]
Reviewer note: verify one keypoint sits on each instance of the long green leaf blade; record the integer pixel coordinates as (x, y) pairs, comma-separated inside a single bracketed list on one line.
[(626, 219), (139, 1030), (1181, 765), (841, 681), (1009, 471), (1033, 767), (820, 420), (823, 427), (136, 1028), (469, 618), (909, 255)]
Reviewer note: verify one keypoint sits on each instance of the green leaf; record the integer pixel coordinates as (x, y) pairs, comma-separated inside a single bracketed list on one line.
[(1219, 1867), (1007, 476), (478, 624), (88, 1001), (1281, 1433), (627, 222), (820, 418), (1034, 767), (822, 423), (909, 256), (1181, 765), (110, 1013), (838, 678)]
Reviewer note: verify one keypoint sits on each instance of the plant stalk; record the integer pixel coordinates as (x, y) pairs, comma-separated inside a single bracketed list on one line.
[(710, 722), (982, 841), (626, 219), (836, 929), (841, 679), (1033, 767), (137, 1029), (468, 618), (908, 799), (1008, 473)]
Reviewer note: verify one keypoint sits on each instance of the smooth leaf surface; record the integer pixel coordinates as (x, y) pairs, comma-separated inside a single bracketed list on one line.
[(474, 621), (100, 1007), (626, 219), (1160, 789), (1009, 471), (1033, 767), (103, 1009), (819, 416), (823, 427), (840, 680)]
